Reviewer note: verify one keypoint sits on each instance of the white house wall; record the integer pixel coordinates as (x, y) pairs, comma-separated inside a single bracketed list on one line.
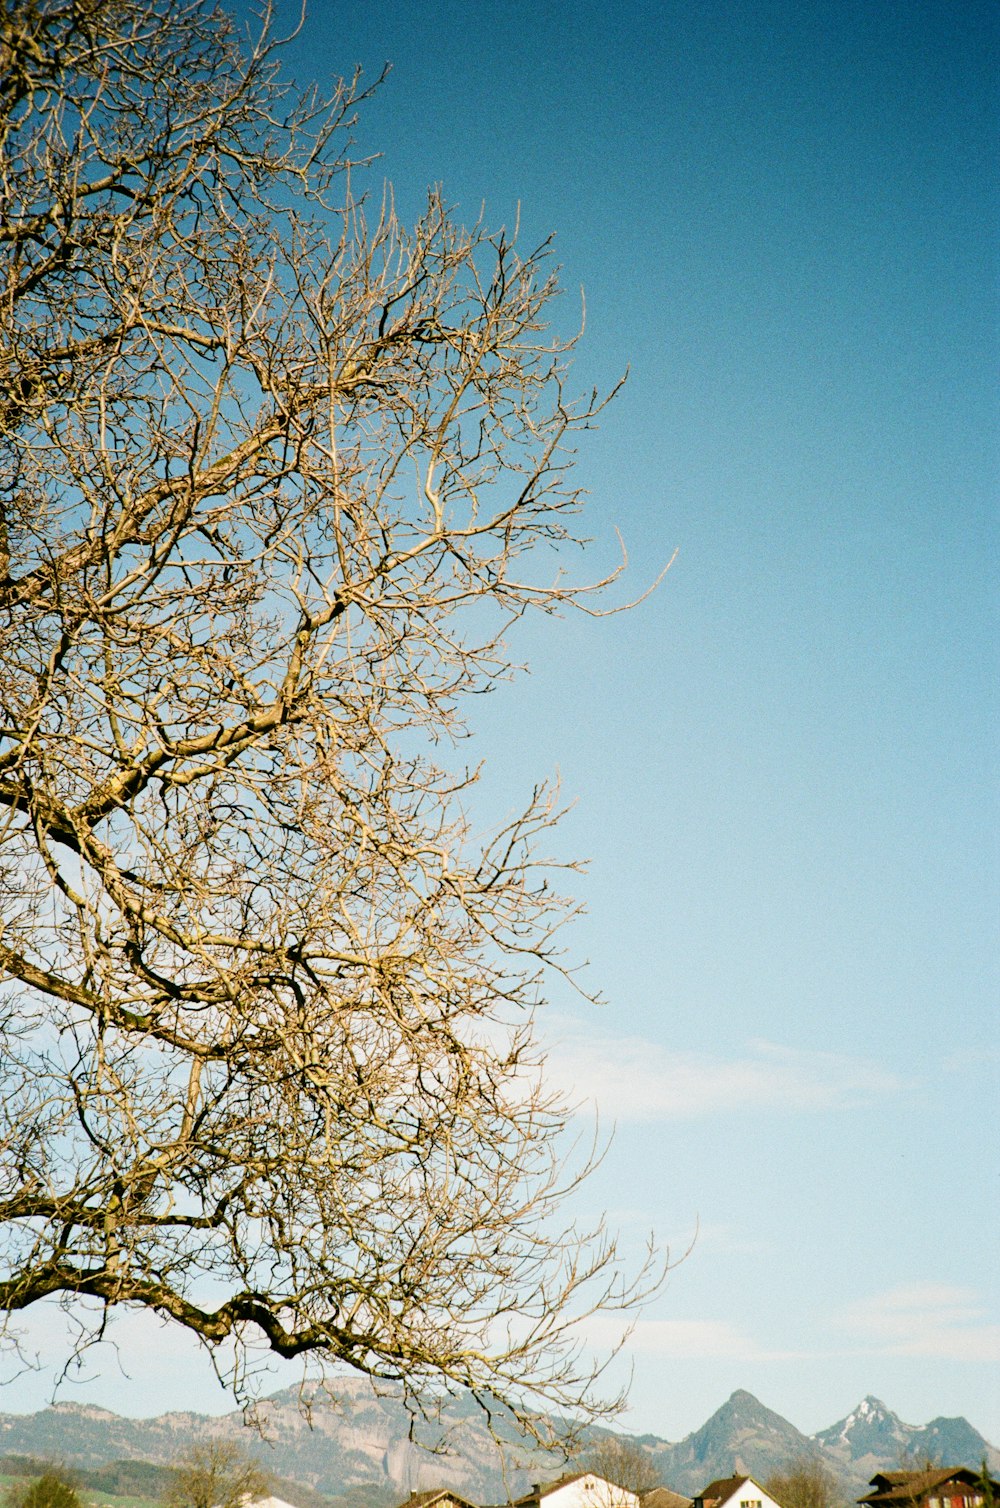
[(749, 1495), (589, 1491)]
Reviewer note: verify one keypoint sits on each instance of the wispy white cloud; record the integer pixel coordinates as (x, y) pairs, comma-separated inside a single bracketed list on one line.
[(936, 1320), (681, 1340), (675, 1340), (631, 1079), (933, 1321)]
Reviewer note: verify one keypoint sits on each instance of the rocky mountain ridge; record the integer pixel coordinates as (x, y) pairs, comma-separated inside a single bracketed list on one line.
[(360, 1444), (872, 1432)]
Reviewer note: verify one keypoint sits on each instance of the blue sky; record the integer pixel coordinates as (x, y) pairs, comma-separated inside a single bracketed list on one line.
[(783, 763)]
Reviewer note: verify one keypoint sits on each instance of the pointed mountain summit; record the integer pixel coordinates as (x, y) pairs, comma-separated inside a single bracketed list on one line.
[(872, 1438), (870, 1431), (741, 1436), (954, 1440)]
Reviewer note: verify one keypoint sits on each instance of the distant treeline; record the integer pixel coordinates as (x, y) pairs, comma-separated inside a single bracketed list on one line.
[(144, 1479), (132, 1479)]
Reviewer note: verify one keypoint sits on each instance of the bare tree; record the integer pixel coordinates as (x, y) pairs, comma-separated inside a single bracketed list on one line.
[(806, 1483), (624, 1463), (217, 1475), (274, 481)]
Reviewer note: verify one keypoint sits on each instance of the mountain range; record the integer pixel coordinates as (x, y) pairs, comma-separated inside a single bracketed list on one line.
[(357, 1448)]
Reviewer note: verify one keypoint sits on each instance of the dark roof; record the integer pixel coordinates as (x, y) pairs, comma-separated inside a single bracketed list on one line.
[(435, 1495), (541, 1490), (664, 1497), (898, 1488), (723, 1487)]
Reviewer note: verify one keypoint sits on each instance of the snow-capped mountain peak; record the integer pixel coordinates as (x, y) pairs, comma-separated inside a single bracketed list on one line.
[(870, 1411), (869, 1431)]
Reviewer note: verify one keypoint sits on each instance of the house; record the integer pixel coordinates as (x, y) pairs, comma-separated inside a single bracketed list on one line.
[(581, 1489), (937, 1487), (735, 1492)]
